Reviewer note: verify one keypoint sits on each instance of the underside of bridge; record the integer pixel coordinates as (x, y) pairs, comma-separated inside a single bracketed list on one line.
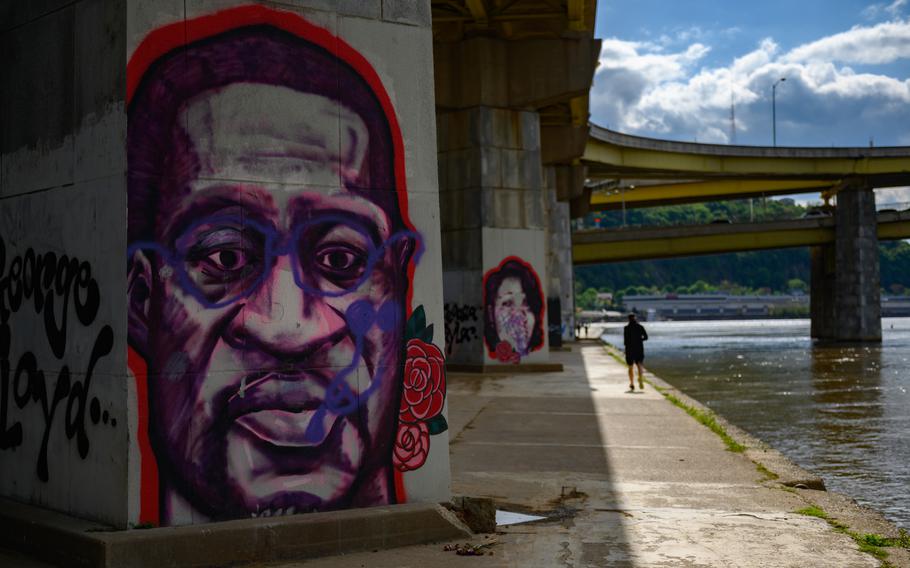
[(629, 171), (512, 81)]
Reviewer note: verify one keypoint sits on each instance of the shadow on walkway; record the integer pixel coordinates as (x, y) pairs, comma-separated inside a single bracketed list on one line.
[(536, 444)]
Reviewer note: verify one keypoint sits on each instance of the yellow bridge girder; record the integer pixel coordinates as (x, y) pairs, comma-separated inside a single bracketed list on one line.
[(639, 162), (694, 192), (686, 172), (622, 245)]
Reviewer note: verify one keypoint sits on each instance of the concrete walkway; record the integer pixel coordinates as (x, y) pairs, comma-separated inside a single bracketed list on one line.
[(625, 479)]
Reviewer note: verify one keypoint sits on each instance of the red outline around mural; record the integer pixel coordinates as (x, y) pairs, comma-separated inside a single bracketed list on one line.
[(176, 35), (148, 467), (491, 349)]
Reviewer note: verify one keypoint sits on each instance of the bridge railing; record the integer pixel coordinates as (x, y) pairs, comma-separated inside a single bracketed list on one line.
[(674, 216)]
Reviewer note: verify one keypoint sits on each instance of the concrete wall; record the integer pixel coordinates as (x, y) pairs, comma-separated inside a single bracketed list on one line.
[(274, 345), (64, 412)]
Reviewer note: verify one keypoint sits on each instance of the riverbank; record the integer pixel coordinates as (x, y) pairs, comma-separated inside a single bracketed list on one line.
[(866, 526), (837, 410)]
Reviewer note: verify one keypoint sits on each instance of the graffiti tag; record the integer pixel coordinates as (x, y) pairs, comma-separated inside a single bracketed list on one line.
[(461, 325), (49, 285)]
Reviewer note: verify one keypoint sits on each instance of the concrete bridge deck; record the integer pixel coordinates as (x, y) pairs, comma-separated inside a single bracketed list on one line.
[(617, 245), (624, 479)]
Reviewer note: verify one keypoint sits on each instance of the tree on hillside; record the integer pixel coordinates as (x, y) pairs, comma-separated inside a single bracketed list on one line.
[(778, 271)]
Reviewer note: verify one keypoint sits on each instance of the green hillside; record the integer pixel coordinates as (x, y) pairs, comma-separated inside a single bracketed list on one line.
[(774, 271)]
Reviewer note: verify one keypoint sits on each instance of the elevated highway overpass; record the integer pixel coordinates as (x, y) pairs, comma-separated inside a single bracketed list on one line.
[(624, 171), (633, 171)]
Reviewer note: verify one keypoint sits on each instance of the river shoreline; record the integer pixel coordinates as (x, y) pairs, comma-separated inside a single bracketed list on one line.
[(837, 410), (841, 510)]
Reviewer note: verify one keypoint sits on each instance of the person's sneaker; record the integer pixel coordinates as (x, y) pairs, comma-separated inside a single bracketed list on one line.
[(632, 388), (641, 385)]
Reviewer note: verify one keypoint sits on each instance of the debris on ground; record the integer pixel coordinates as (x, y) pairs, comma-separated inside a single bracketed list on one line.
[(468, 549), (478, 513)]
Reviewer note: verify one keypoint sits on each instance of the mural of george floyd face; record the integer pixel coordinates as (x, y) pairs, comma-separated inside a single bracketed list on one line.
[(268, 277)]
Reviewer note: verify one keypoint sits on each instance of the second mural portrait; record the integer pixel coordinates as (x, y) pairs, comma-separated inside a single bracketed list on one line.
[(513, 308), (283, 346)]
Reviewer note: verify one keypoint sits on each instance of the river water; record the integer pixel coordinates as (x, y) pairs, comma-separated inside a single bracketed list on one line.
[(842, 412)]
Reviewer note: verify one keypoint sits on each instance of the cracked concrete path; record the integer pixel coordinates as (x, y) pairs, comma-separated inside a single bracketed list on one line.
[(624, 479)]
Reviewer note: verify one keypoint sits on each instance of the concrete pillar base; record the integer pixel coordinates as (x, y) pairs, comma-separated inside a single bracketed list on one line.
[(67, 541)]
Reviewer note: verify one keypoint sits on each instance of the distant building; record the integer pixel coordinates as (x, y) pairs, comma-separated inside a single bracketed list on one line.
[(710, 306), (722, 306)]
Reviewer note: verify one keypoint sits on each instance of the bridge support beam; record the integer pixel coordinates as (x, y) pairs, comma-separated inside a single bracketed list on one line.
[(846, 297)]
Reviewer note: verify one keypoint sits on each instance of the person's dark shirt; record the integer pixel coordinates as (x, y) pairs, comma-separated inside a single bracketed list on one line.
[(634, 336)]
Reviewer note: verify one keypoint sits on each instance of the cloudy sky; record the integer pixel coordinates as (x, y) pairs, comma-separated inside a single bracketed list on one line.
[(671, 68)]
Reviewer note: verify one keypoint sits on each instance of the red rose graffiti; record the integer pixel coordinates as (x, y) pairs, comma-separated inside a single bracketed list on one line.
[(412, 444), (422, 398), (505, 353), (424, 382)]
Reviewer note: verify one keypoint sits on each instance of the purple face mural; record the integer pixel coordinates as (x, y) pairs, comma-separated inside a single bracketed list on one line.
[(512, 315), (267, 277), (513, 310)]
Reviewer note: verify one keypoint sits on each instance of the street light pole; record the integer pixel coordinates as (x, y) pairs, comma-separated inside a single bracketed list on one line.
[(774, 110)]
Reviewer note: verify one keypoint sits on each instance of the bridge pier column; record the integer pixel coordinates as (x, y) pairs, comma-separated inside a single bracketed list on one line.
[(821, 298), (506, 105), (846, 296), (561, 288), (494, 236)]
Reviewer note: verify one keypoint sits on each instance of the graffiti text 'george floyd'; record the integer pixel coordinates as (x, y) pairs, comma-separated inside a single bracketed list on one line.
[(49, 285)]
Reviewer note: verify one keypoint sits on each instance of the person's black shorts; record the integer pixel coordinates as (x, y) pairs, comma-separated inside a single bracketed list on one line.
[(632, 358)]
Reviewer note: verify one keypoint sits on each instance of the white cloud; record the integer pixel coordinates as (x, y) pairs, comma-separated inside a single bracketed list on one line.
[(648, 59), (883, 43), (893, 198), (892, 10), (649, 89)]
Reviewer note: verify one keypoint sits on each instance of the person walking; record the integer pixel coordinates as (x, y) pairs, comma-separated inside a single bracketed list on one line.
[(634, 336)]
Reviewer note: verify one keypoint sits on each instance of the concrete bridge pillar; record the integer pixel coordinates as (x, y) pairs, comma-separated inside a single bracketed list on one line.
[(494, 236), (505, 108), (821, 299), (846, 297), (561, 287), (310, 123)]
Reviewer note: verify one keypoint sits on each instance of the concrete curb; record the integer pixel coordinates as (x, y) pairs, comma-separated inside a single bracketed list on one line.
[(66, 541), (514, 369)]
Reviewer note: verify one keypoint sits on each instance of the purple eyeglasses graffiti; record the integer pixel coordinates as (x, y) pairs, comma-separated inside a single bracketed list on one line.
[(247, 251), (267, 277)]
